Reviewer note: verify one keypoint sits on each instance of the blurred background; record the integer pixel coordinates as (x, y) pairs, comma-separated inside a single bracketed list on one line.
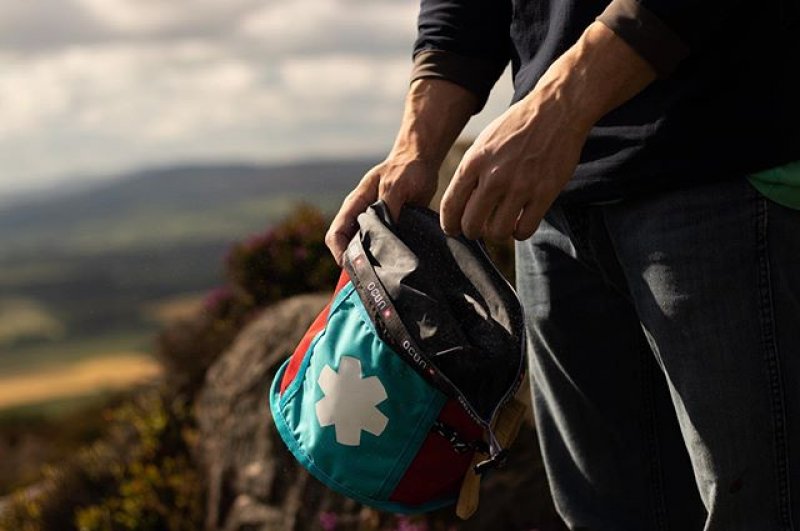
[(167, 170)]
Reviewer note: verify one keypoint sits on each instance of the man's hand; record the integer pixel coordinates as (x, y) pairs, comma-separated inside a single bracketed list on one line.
[(395, 180), (517, 166), (514, 171), (435, 112)]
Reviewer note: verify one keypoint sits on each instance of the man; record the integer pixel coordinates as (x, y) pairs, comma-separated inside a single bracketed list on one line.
[(645, 168)]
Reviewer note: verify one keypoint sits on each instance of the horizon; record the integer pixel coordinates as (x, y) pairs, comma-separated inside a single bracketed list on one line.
[(116, 86), (92, 182)]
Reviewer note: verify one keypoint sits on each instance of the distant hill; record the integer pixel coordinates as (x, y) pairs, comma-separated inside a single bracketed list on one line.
[(95, 261), (197, 203)]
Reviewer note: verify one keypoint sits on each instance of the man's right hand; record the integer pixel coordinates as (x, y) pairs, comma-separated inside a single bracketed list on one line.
[(435, 113), (396, 181)]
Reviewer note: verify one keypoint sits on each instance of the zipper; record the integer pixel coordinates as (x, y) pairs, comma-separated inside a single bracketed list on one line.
[(497, 453), (511, 391)]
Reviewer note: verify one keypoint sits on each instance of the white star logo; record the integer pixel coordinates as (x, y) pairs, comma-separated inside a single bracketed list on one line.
[(349, 402)]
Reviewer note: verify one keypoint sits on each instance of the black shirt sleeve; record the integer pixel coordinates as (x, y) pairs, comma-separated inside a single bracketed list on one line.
[(665, 32), (466, 42)]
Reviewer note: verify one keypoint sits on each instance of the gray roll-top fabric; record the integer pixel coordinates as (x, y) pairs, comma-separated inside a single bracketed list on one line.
[(459, 310)]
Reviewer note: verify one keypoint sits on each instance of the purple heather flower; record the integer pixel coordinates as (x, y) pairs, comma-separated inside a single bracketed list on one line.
[(217, 297), (260, 240), (328, 520), (300, 253), (404, 523)]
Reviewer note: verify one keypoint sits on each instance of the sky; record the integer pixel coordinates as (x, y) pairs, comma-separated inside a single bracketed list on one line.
[(91, 89)]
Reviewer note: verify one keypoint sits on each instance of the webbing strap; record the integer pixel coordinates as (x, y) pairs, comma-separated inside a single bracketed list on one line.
[(506, 429), (384, 314)]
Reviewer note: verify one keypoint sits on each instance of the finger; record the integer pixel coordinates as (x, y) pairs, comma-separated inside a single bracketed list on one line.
[(478, 210), (528, 221), (341, 231), (457, 194), (392, 194), (337, 244), (344, 225), (503, 221)]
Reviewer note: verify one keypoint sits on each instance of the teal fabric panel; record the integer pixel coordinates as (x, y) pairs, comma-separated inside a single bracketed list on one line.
[(305, 460), (356, 410)]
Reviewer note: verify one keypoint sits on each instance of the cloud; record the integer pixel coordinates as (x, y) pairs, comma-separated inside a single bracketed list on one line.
[(45, 25), (168, 17), (95, 86), (92, 107), (339, 76), (169, 91), (273, 26), (307, 26)]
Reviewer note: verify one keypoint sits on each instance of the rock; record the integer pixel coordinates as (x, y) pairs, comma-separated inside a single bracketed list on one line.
[(247, 469), (255, 484)]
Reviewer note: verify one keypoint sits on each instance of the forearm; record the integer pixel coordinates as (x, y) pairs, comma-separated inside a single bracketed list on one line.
[(593, 77), (519, 164), (435, 113)]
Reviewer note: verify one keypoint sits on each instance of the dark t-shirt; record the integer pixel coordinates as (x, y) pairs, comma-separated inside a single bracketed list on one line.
[(726, 102)]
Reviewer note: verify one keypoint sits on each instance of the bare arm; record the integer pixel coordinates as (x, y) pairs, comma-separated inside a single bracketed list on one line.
[(521, 161), (435, 113)]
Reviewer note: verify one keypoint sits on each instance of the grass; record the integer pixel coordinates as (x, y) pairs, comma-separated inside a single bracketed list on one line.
[(50, 432), (179, 307), (149, 225), (26, 318), (55, 409), (31, 271), (29, 358), (82, 378)]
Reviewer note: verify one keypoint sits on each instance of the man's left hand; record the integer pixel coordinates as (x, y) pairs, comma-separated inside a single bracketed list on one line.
[(513, 172), (517, 166)]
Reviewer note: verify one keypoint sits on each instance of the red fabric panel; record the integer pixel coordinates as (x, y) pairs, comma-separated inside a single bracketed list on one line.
[(437, 471), (314, 329)]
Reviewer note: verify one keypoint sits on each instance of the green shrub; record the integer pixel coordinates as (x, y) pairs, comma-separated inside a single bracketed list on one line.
[(139, 477), (187, 348), (288, 259)]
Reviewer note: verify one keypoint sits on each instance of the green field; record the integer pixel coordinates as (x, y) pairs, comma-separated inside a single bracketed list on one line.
[(55, 409), (25, 359), (93, 274)]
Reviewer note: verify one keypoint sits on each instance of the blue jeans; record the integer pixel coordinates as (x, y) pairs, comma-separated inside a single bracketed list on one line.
[(665, 360)]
